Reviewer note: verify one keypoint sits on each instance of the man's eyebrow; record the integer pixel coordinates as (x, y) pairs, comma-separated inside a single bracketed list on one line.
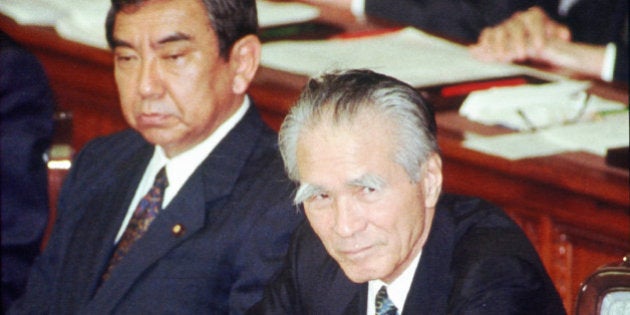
[(175, 37), (304, 192), (116, 42), (368, 180)]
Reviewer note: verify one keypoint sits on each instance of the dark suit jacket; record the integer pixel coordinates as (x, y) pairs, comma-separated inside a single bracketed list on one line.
[(602, 22), (475, 261), (461, 20), (237, 215), (26, 127)]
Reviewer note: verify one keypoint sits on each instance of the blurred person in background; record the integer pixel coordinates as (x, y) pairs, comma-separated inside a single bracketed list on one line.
[(26, 128)]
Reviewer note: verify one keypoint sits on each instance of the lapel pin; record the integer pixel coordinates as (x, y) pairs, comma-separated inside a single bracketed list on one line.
[(178, 229)]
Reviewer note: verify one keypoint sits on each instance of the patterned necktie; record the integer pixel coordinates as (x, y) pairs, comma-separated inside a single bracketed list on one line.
[(144, 214), (384, 306)]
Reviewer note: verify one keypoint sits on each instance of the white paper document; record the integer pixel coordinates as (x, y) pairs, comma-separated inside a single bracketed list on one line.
[(32, 12), (83, 21), (409, 55), (280, 13), (535, 106), (609, 131)]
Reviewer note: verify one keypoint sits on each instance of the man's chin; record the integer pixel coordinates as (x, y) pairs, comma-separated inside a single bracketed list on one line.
[(360, 274), (157, 136)]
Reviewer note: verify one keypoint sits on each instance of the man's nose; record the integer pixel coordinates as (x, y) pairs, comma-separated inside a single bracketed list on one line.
[(150, 80), (349, 219)]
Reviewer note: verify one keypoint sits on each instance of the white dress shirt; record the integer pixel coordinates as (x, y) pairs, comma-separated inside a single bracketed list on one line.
[(179, 168), (396, 291), (608, 68), (358, 7)]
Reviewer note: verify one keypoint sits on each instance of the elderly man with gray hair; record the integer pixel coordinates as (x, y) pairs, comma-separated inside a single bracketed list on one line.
[(381, 237)]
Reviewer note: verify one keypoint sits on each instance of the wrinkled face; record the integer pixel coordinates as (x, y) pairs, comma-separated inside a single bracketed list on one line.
[(372, 219), (174, 88)]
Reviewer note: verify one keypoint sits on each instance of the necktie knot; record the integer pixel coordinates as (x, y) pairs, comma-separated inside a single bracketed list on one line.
[(384, 306), (157, 191), (161, 180)]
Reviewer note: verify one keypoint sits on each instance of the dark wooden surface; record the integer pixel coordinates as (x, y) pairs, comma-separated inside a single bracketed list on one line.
[(574, 207)]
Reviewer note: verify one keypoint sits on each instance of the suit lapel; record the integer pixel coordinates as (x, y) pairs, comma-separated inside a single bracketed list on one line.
[(358, 304), (195, 205), (430, 286), (432, 280), (159, 239), (345, 296), (93, 240)]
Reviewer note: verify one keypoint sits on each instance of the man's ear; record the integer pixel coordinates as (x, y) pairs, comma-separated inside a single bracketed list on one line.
[(432, 179), (244, 61)]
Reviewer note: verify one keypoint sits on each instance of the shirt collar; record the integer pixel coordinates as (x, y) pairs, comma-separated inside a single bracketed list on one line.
[(397, 290)]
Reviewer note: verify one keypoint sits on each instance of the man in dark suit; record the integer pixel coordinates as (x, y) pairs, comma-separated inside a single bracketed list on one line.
[(382, 239), (457, 19), (215, 224), (26, 128)]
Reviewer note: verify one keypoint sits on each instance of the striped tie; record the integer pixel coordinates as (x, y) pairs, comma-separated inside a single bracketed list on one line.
[(384, 306)]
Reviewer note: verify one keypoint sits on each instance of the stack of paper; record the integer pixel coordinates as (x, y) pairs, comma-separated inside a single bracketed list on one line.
[(554, 118), (84, 20), (409, 55), (32, 12), (280, 13), (608, 131), (535, 106)]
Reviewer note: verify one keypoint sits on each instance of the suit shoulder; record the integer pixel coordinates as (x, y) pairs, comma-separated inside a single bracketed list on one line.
[(112, 147), (493, 260), (264, 166), (313, 267), (482, 230), (471, 212), (104, 154)]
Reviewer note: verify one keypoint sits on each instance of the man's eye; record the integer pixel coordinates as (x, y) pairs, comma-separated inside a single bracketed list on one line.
[(125, 61), (367, 190), (174, 56), (321, 196), (319, 201), (124, 58), (368, 194)]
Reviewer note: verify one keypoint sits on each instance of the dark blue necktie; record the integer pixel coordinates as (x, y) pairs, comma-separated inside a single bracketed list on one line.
[(384, 306), (146, 211)]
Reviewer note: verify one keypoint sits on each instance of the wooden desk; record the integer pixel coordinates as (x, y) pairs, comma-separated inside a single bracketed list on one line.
[(574, 208)]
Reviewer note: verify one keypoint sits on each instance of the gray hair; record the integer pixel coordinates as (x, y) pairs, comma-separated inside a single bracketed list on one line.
[(230, 19), (343, 95)]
